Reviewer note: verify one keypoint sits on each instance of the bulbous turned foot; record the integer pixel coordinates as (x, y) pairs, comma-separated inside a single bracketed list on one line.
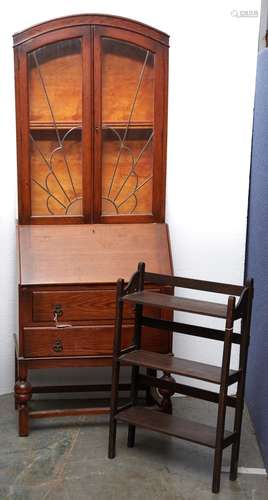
[(23, 394)]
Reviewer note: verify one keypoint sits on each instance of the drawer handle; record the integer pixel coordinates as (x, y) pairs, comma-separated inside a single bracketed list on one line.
[(58, 312), (58, 347)]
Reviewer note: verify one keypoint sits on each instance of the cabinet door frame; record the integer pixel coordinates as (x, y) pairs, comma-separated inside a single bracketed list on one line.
[(23, 125), (90, 28), (160, 124)]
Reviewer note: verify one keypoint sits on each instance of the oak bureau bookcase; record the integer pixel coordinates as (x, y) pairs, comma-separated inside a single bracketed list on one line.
[(91, 108)]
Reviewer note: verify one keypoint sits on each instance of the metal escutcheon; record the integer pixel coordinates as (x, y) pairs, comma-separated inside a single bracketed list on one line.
[(58, 347), (58, 312)]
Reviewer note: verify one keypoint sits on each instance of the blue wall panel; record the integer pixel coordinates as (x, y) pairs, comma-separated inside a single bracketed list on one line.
[(257, 261)]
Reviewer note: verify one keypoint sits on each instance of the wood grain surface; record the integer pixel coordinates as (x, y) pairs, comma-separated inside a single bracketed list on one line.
[(179, 366), (76, 254), (172, 426), (178, 303)]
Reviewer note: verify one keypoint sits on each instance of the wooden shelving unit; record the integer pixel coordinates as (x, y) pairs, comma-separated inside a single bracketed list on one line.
[(216, 437)]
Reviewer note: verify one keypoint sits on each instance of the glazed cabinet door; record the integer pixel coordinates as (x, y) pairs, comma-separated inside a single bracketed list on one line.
[(91, 125), (130, 91), (53, 85)]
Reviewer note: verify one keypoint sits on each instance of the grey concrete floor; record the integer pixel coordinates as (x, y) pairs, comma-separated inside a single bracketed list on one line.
[(66, 459)]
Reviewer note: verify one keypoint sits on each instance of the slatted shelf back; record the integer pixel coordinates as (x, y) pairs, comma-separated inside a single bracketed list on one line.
[(206, 286)]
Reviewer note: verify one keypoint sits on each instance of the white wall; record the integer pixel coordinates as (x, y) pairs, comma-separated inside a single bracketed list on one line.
[(212, 73)]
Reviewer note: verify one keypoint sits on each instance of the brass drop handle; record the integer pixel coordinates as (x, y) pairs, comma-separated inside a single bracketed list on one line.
[(58, 312), (58, 347)]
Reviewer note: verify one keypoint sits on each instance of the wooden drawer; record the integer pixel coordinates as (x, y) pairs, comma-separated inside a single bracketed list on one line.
[(75, 305), (75, 341), (79, 305), (86, 341)]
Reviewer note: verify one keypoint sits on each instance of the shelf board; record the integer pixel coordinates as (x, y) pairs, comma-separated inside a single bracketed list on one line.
[(66, 125), (164, 301), (178, 366), (133, 125), (172, 426)]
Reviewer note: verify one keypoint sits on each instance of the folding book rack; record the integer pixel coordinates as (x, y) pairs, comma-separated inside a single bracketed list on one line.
[(214, 437)]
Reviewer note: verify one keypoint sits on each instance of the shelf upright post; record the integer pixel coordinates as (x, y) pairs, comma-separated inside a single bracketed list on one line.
[(116, 366), (223, 394), (245, 337), (137, 343)]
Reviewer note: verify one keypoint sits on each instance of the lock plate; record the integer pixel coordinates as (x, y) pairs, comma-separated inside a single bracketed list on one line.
[(58, 312), (58, 347)]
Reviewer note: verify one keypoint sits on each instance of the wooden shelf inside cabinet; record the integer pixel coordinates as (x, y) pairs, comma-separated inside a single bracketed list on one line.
[(129, 126), (162, 421), (35, 125)]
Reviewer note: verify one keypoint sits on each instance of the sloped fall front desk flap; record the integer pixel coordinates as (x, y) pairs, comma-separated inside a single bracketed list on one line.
[(90, 253)]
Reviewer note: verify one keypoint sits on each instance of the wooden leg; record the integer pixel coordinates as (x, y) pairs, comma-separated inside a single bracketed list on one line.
[(223, 395), (23, 394), (131, 436), (113, 425), (16, 378), (237, 429), (219, 440), (114, 403), (217, 470), (166, 404), (134, 394), (116, 368), (234, 459), (239, 412), (112, 438)]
